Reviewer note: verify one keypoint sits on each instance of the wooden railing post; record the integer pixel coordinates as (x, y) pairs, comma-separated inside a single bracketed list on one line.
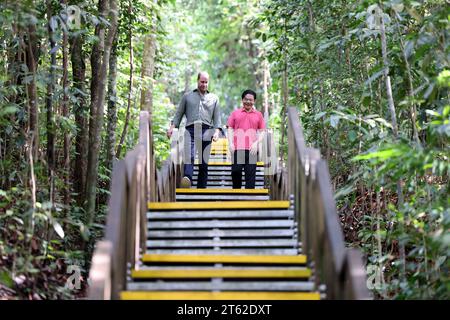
[(100, 273)]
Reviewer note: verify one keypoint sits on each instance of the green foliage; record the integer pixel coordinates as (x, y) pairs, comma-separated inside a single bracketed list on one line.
[(36, 247), (336, 80), (43, 233)]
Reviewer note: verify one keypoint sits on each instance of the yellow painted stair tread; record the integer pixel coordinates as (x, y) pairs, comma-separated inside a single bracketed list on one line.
[(193, 205), (222, 191), (211, 258), (206, 295), (221, 273)]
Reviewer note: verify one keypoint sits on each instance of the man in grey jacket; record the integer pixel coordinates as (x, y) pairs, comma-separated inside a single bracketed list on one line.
[(202, 112)]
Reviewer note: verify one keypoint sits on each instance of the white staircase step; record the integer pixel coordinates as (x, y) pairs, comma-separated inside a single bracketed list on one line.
[(223, 285), (182, 243), (227, 233), (208, 224), (227, 251), (152, 215)]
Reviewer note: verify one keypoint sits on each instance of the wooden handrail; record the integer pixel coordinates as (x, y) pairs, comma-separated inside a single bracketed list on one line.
[(135, 181), (169, 176), (309, 185)]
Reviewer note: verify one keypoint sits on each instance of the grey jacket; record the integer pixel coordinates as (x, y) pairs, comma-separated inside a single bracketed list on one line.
[(198, 109)]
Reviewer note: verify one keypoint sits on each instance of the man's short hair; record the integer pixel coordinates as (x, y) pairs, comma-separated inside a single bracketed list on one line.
[(248, 91), (202, 72)]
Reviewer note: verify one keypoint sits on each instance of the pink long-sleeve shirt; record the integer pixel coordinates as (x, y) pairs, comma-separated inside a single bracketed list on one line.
[(245, 125)]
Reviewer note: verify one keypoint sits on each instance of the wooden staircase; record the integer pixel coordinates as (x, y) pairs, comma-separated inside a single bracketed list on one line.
[(219, 243), (222, 244)]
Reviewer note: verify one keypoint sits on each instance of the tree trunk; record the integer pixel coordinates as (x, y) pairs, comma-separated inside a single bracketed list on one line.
[(96, 62), (80, 111), (65, 114), (49, 102), (97, 112), (187, 78), (253, 55), (285, 95), (130, 88), (413, 110), (312, 24), (148, 66), (387, 78), (31, 49), (112, 109), (266, 90)]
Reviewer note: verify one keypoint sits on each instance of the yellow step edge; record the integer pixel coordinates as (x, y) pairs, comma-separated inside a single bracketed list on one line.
[(226, 163), (271, 204), (211, 258), (221, 273), (223, 191), (206, 295)]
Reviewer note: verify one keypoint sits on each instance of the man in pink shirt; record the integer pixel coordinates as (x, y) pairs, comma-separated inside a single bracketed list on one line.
[(245, 132)]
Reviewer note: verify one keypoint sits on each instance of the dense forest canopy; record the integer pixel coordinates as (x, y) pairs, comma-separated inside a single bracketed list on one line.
[(370, 80)]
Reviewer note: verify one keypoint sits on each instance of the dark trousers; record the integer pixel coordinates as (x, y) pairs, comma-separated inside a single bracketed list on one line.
[(242, 159), (197, 138)]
